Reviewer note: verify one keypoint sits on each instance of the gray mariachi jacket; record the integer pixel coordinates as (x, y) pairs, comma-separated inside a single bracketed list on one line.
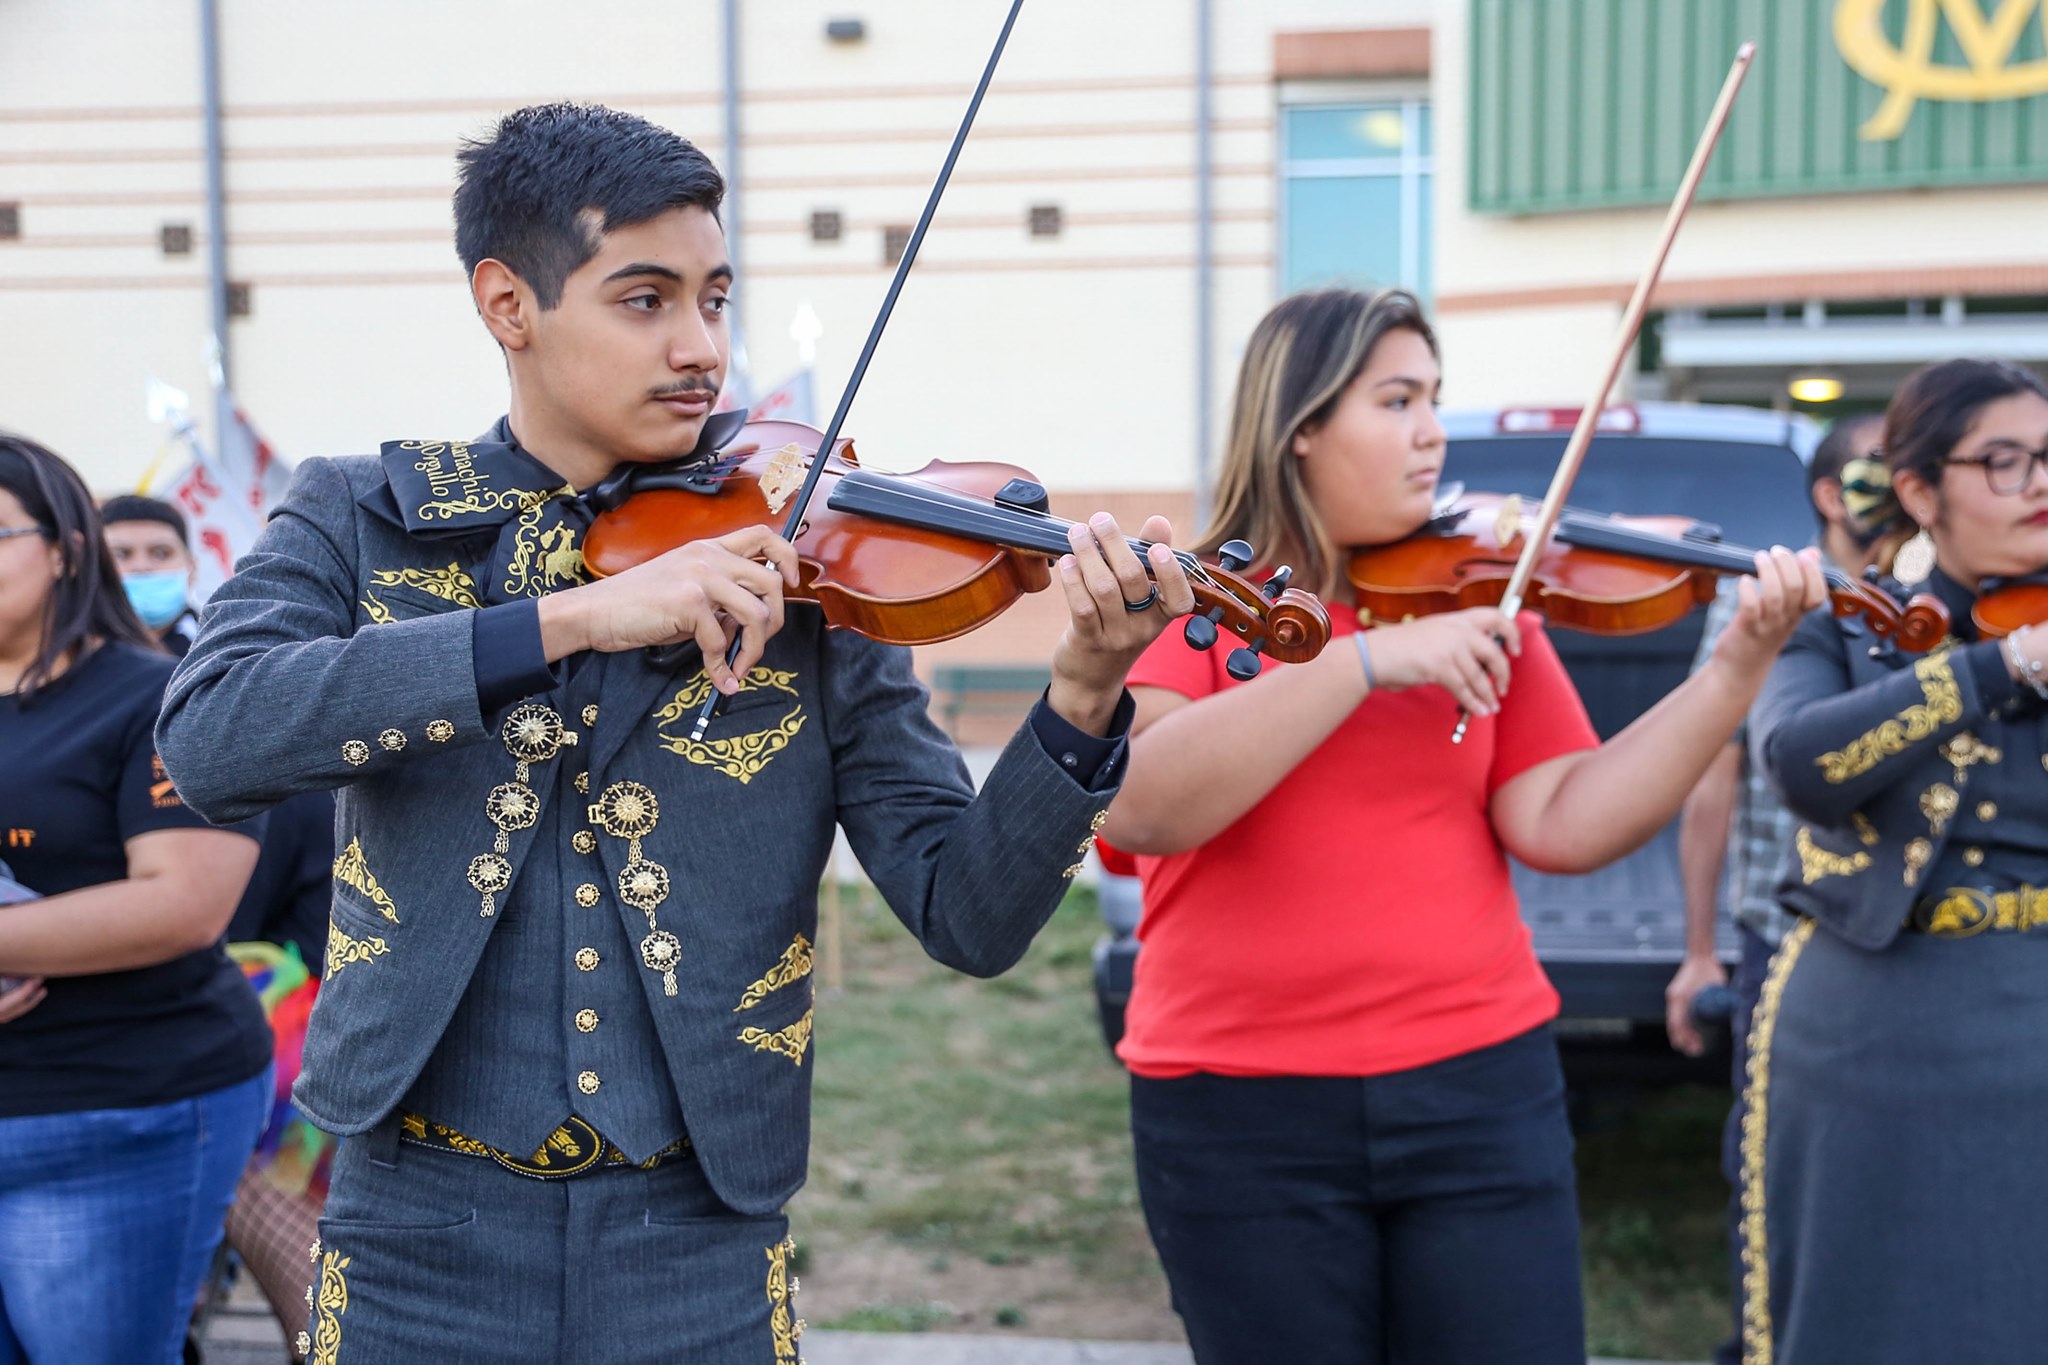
[(1873, 749), (342, 655)]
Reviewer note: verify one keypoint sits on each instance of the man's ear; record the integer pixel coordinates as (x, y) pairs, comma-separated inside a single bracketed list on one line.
[(504, 302), (1827, 500)]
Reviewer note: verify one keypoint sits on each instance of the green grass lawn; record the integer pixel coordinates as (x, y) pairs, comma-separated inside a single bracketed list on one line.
[(971, 1165)]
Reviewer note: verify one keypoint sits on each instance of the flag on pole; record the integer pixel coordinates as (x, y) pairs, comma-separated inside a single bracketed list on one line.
[(225, 498)]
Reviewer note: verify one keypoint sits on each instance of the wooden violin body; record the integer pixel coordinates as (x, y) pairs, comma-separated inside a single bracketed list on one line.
[(1607, 575), (2007, 608), (904, 558)]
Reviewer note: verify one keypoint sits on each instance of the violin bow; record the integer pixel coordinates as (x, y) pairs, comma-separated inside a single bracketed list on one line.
[(802, 504), (1538, 536)]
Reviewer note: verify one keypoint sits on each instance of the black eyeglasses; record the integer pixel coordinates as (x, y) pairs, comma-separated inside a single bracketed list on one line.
[(10, 532), (2008, 468)]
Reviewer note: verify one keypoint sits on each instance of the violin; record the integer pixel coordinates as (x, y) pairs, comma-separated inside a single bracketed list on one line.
[(915, 558), (1606, 575), (2002, 610)]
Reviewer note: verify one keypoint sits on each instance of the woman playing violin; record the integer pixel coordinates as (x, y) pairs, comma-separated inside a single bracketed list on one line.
[(1893, 1180), (1349, 1117)]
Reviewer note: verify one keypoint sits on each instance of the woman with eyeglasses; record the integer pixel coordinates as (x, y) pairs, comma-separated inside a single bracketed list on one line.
[(134, 1060), (1894, 1178)]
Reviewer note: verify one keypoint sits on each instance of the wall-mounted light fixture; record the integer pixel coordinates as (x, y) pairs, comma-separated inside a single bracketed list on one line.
[(826, 225), (846, 30), (1819, 387), (1045, 220)]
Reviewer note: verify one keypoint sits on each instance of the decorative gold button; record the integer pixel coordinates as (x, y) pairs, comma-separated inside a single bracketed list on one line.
[(440, 731), (355, 753), (588, 1082), (586, 1021), (1987, 810), (511, 806), (583, 783), (1073, 871), (1085, 844), (305, 1344), (586, 959), (1101, 819), (587, 894), (490, 873), (590, 714), (583, 841), (627, 810), (533, 733), (1974, 857), (392, 740), (643, 885)]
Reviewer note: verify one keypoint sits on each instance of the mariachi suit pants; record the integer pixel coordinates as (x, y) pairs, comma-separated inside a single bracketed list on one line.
[(430, 1255)]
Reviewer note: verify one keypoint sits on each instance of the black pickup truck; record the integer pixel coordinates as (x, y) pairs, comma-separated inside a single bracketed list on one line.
[(1610, 939)]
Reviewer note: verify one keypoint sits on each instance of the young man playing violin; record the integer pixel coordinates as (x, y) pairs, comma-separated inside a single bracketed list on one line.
[(1347, 1109), (565, 1026)]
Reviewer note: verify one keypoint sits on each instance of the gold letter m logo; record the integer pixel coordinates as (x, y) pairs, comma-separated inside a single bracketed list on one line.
[(1908, 73)]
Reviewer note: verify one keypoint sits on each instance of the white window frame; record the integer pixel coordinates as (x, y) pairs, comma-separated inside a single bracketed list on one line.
[(1409, 166)]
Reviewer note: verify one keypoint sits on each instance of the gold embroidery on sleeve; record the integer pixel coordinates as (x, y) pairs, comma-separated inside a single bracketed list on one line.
[(795, 965), (1816, 862), (329, 1306), (1941, 704), (351, 870), (451, 584), (1865, 831), (791, 1042), (343, 951), (740, 757), (379, 614)]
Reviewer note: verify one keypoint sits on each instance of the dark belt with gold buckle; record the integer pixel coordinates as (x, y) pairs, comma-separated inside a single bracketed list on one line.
[(1966, 911), (571, 1150)]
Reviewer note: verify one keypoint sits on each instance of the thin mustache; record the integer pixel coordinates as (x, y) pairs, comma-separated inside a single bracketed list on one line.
[(686, 386)]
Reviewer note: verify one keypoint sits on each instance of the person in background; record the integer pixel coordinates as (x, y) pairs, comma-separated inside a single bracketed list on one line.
[(1733, 825), (134, 1061), (1346, 1104), (1892, 1173), (153, 550)]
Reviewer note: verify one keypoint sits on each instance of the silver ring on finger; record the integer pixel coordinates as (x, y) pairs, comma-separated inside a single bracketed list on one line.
[(1143, 604)]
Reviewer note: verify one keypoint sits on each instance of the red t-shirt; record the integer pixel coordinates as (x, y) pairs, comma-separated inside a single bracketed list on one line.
[(1359, 919)]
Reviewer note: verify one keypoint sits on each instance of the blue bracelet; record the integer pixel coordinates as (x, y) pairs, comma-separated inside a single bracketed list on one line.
[(1365, 657)]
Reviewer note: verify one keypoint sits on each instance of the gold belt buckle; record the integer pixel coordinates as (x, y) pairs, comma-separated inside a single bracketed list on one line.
[(572, 1149)]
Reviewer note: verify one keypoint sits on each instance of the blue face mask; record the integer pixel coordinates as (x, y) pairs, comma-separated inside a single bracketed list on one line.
[(158, 598)]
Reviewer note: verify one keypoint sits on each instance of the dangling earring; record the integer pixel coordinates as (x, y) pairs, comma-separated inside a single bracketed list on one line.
[(1914, 560)]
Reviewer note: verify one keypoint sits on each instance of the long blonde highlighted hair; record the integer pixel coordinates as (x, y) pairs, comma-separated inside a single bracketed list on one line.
[(1300, 359)]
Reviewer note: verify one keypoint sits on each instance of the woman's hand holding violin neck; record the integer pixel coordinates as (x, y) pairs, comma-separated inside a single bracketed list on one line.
[(1466, 653), (1117, 604), (700, 591), (1786, 587)]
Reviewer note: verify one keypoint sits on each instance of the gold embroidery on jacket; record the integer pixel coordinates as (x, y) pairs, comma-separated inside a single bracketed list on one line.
[(780, 1289), (1965, 751), (1941, 704), (1757, 1343), (740, 757), (1865, 831), (794, 965), (351, 870), (330, 1304), (451, 584), (544, 560), (1816, 862), (1938, 803), (379, 614), (1918, 854), (791, 1042), (343, 951)]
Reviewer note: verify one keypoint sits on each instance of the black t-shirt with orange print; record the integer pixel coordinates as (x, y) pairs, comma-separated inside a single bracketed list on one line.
[(79, 777)]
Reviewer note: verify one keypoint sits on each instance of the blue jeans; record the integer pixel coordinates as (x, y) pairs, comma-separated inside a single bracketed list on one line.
[(109, 1219), (1426, 1217)]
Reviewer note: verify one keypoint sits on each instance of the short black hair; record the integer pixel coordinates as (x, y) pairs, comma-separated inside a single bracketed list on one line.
[(1847, 438), (136, 507), (523, 192)]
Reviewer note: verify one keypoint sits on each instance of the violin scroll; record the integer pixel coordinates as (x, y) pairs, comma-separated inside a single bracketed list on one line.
[(1918, 626), (1272, 619)]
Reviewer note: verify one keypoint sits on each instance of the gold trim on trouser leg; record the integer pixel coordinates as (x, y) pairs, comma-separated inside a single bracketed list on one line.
[(1757, 1340)]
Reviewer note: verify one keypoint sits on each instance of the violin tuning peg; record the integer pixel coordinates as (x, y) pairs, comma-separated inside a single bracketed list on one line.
[(1277, 584), (1235, 554), (1243, 664), (1200, 631)]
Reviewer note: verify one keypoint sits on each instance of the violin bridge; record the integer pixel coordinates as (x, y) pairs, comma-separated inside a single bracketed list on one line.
[(1507, 524), (784, 476)]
